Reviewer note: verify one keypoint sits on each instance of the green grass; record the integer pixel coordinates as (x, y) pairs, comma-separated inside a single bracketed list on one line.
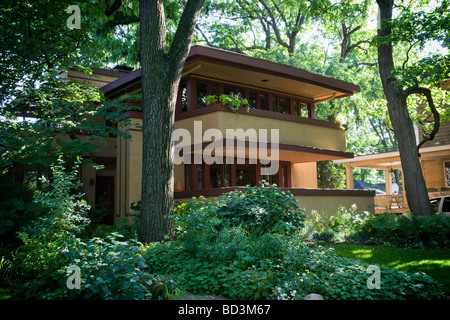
[(433, 262)]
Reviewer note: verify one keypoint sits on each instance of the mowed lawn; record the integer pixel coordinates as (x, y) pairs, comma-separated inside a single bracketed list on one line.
[(433, 262)]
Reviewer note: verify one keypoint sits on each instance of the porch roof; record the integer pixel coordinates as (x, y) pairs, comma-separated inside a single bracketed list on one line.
[(391, 160)]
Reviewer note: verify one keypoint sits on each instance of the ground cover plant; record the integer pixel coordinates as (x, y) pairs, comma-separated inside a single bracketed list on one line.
[(220, 251), (244, 245)]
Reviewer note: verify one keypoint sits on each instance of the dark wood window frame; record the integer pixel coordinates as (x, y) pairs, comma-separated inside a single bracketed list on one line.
[(272, 99), (191, 175)]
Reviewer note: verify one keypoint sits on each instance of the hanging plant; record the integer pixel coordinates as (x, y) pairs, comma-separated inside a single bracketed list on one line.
[(232, 101)]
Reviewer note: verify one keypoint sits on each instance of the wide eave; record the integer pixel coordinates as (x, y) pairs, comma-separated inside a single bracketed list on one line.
[(227, 66)]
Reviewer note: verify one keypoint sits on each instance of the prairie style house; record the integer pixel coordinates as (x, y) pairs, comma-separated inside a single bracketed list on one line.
[(280, 97)]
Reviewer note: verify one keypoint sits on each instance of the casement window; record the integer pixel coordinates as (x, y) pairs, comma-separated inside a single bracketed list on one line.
[(203, 176), (192, 92)]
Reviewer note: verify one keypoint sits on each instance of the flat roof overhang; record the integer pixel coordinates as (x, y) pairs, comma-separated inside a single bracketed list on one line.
[(227, 66), (391, 160), (254, 150)]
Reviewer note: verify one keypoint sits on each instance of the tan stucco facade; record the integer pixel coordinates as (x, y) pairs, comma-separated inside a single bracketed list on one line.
[(290, 133)]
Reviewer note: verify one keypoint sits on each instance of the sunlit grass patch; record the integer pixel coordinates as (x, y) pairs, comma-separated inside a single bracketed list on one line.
[(434, 262)]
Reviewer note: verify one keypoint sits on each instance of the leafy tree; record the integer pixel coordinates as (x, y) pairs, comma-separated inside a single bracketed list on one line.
[(399, 85), (42, 116), (35, 40), (161, 66)]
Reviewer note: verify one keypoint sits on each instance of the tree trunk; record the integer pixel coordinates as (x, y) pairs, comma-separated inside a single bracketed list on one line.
[(161, 71), (414, 184)]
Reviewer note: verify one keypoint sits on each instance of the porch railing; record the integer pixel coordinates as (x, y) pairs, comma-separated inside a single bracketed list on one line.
[(394, 203)]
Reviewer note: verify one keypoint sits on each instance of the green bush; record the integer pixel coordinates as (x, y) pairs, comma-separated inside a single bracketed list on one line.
[(33, 272), (110, 267), (16, 210), (217, 254), (290, 271), (259, 210), (363, 227)]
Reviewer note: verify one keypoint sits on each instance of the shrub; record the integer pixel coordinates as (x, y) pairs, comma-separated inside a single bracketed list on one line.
[(218, 254), (363, 227), (406, 230), (259, 210), (290, 271), (33, 272), (110, 267), (16, 209), (320, 270)]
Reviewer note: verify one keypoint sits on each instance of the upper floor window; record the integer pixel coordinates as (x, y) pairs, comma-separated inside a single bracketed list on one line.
[(202, 92), (194, 91)]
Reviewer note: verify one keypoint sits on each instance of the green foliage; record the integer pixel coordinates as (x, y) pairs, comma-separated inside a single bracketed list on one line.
[(216, 254), (111, 268), (33, 272), (320, 270), (57, 113), (258, 210), (42, 42), (232, 100), (16, 209), (388, 229), (330, 175), (242, 266), (261, 210)]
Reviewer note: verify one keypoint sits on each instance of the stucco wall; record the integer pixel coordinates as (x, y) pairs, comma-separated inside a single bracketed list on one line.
[(329, 205), (291, 133), (304, 175), (325, 202)]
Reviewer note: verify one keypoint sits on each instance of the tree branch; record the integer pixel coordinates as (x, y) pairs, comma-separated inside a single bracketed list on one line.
[(427, 93), (113, 8), (183, 36), (274, 25)]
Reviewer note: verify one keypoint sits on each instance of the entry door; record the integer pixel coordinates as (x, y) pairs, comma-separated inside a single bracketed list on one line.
[(104, 198)]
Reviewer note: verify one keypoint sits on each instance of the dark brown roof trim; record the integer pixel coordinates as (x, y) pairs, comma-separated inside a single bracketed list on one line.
[(131, 81), (111, 73), (247, 62), (196, 53)]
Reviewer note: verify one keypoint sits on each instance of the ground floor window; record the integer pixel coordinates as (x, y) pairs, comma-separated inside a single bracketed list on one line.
[(204, 176)]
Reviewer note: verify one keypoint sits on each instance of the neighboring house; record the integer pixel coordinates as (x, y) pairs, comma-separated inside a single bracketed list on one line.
[(280, 97), (435, 162)]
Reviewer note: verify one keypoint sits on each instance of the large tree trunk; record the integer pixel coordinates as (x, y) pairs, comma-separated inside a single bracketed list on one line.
[(161, 71), (415, 188)]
